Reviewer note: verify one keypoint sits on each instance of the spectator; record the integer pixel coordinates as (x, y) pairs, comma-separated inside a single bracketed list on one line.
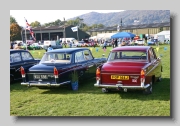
[(115, 42), (112, 42), (49, 48), (105, 44), (65, 44), (14, 45), (123, 43), (18, 46), (70, 44)]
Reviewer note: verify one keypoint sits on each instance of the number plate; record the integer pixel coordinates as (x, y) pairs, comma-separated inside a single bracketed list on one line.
[(40, 77), (119, 77)]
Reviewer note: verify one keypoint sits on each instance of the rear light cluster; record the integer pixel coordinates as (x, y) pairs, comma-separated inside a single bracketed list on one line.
[(22, 71), (55, 72), (143, 76), (98, 74)]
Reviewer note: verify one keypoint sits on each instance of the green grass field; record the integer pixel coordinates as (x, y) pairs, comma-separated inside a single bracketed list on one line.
[(89, 100)]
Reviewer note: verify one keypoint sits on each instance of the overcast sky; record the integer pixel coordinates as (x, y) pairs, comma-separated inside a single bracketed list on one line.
[(45, 16)]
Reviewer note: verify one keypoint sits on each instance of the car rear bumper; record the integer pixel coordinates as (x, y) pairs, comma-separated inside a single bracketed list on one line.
[(120, 86), (39, 84)]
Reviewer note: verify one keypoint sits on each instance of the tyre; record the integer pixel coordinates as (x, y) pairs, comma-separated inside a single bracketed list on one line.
[(105, 90), (159, 79), (148, 90)]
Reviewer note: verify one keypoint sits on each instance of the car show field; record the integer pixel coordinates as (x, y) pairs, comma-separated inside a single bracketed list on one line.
[(91, 101)]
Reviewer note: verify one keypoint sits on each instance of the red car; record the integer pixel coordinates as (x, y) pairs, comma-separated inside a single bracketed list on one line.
[(129, 67)]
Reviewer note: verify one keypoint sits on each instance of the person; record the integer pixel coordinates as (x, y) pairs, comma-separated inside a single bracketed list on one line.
[(112, 42), (49, 48), (115, 42), (70, 44), (105, 44), (123, 43), (18, 46)]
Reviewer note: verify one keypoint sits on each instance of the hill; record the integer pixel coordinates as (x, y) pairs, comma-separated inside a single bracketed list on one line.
[(129, 17)]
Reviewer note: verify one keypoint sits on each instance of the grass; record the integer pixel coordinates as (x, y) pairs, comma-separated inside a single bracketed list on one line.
[(89, 100)]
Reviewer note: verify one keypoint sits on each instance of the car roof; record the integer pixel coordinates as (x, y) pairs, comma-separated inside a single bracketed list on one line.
[(130, 48), (68, 50)]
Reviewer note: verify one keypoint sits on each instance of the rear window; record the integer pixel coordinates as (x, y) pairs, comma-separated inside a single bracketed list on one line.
[(15, 57), (61, 58), (127, 55)]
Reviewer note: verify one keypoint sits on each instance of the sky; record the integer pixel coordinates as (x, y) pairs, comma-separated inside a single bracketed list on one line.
[(46, 16)]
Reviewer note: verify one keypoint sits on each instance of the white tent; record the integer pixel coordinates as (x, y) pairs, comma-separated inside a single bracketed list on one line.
[(100, 36), (105, 35), (108, 35), (165, 33), (93, 37)]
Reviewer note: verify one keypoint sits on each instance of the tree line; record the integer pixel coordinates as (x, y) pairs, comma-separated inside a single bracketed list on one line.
[(16, 30)]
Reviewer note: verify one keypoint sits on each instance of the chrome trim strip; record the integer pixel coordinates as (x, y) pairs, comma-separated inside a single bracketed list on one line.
[(121, 74), (152, 68), (39, 84), (119, 86)]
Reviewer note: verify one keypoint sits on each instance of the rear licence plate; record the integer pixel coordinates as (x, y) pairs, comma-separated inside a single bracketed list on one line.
[(119, 77), (40, 77)]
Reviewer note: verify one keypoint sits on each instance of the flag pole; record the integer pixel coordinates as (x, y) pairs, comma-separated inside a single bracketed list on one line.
[(25, 33), (26, 38)]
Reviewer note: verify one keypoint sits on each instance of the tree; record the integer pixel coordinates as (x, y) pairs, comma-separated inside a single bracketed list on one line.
[(100, 26), (57, 22), (15, 32), (35, 24), (12, 20)]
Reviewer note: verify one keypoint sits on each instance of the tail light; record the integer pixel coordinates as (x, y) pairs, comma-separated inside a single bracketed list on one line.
[(98, 72), (22, 71), (55, 72), (143, 75)]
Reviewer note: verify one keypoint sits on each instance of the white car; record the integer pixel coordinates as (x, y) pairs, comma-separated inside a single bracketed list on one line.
[(139, 42)]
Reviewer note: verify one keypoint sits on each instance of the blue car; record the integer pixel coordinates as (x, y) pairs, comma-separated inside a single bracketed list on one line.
[(152, 42)]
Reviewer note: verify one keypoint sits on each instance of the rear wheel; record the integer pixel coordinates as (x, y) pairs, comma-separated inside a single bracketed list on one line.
[(105, 90)]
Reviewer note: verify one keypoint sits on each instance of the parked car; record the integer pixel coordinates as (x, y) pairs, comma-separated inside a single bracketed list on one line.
[(20, 58), (139, 42), (152, 42), (36, 46), (80, 44), (129, 67), (54, 45), (56, 66)]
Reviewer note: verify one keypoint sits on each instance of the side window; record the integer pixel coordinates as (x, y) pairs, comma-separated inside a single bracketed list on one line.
[(151, 55), (87, 55), (26, 56), (79, 57), (15, 57), (154, 54)]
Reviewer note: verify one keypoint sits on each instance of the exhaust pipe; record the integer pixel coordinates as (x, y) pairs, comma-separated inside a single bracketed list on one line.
[(125, 89), (104, 90)]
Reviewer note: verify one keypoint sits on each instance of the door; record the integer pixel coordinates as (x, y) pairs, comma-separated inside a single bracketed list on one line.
[(15, 64), (91, 65)]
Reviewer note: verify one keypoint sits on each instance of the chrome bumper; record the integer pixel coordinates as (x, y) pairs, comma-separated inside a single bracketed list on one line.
[(39, 84), (121, 86)]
